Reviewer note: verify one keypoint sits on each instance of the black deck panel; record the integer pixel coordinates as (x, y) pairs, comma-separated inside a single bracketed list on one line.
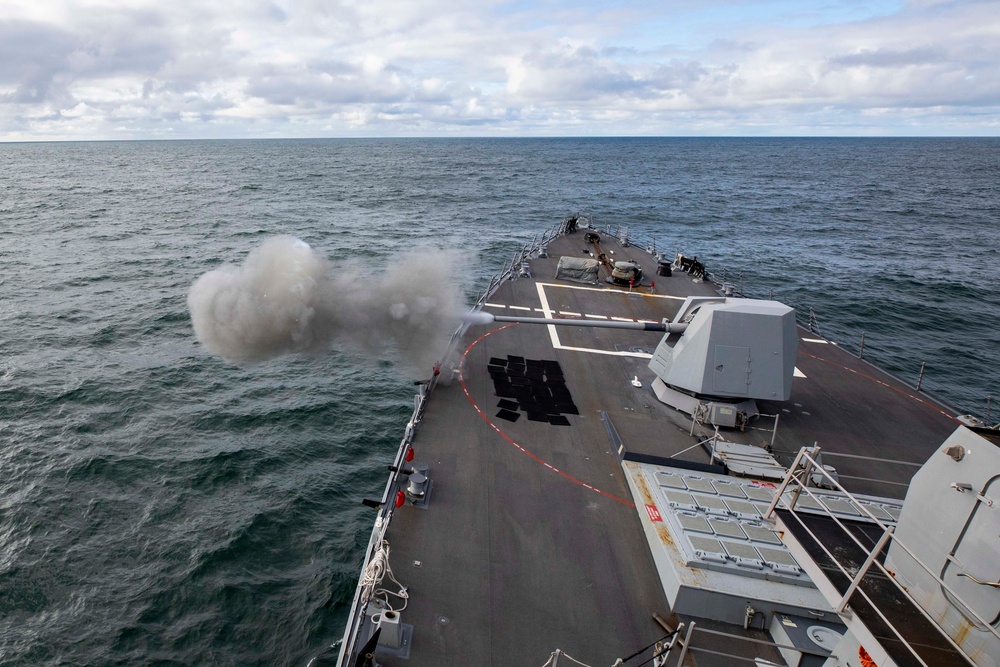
[(527, 548), (925, 637), (517, 559)]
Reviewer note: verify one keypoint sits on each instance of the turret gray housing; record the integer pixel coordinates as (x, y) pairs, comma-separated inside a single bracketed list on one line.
[(732, 348)]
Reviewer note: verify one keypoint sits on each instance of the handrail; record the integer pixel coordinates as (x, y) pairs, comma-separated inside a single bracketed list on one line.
[(804, 315), (387, 506), (805, 460), (386, 509)]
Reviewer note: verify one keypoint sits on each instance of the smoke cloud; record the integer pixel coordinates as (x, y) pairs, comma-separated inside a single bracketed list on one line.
[(285, 297)]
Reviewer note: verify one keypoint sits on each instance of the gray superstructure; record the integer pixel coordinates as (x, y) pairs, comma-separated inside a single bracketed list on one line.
[(568, 484)]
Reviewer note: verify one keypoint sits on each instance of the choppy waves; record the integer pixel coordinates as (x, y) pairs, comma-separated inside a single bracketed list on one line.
[(160, 506)]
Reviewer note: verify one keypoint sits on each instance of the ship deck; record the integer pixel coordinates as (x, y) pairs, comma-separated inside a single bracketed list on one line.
[(530, 540), (918, 632)]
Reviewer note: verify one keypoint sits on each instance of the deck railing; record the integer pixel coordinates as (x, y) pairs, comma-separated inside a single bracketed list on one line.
[(805, 466), (509, 271), (385, 509), (735, 282), (386, 506)]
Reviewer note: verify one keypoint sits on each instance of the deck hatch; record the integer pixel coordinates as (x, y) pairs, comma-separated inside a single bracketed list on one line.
[(742, 507), (708, 548), (761, 534), (694, 523), (879, 512), (729, 489), (680, 498), (760, 493), (713, 504), (699, 484), (670, 480), (778, 557), (726, 528), (841, 506), (718, 520), (743, 554)]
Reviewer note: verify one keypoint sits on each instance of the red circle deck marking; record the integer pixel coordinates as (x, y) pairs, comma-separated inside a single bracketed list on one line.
[(461, 378)]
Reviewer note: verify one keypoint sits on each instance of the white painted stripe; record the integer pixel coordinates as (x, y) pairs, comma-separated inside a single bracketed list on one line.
[(610, 353), (597, 317), (548, 313), (614, 291), (815, 340), (494, 305), (519, 308), (570, 313), (623, 319), (554, 336), (798, 373)]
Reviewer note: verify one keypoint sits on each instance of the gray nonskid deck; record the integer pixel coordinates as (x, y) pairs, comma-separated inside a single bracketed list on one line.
[(530, 542), (519, 559)]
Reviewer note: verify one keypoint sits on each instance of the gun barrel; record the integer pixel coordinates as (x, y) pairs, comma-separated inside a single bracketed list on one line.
[(663, 327)]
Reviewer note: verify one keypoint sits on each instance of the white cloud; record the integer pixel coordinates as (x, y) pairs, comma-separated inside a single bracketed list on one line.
[(102, 69)]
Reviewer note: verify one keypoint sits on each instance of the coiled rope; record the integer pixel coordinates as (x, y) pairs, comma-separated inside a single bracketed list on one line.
[(378, 569)]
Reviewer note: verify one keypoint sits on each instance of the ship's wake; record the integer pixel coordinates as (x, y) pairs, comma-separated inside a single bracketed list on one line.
[(286, 297)]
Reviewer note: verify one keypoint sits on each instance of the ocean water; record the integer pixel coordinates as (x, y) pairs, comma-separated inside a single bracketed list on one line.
[(161, 506)]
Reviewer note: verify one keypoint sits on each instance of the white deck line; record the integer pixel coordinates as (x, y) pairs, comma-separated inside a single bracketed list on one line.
[(519, 308), (601, 289), (554, 335), (548, 313), (610, 353)]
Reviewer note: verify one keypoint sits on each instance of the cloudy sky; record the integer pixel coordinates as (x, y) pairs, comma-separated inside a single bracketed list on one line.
[(131, 69)]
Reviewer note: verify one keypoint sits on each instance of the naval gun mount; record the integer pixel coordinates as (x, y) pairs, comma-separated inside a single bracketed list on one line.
[(718, 356), (732, 353)]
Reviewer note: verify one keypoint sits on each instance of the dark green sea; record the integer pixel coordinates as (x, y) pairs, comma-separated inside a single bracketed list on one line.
[(159, 506)]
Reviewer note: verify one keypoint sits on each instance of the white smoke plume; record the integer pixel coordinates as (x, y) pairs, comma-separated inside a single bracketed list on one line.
[(286, 297)]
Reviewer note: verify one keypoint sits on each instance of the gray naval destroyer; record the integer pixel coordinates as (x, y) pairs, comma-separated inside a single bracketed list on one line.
[(624, 462)]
